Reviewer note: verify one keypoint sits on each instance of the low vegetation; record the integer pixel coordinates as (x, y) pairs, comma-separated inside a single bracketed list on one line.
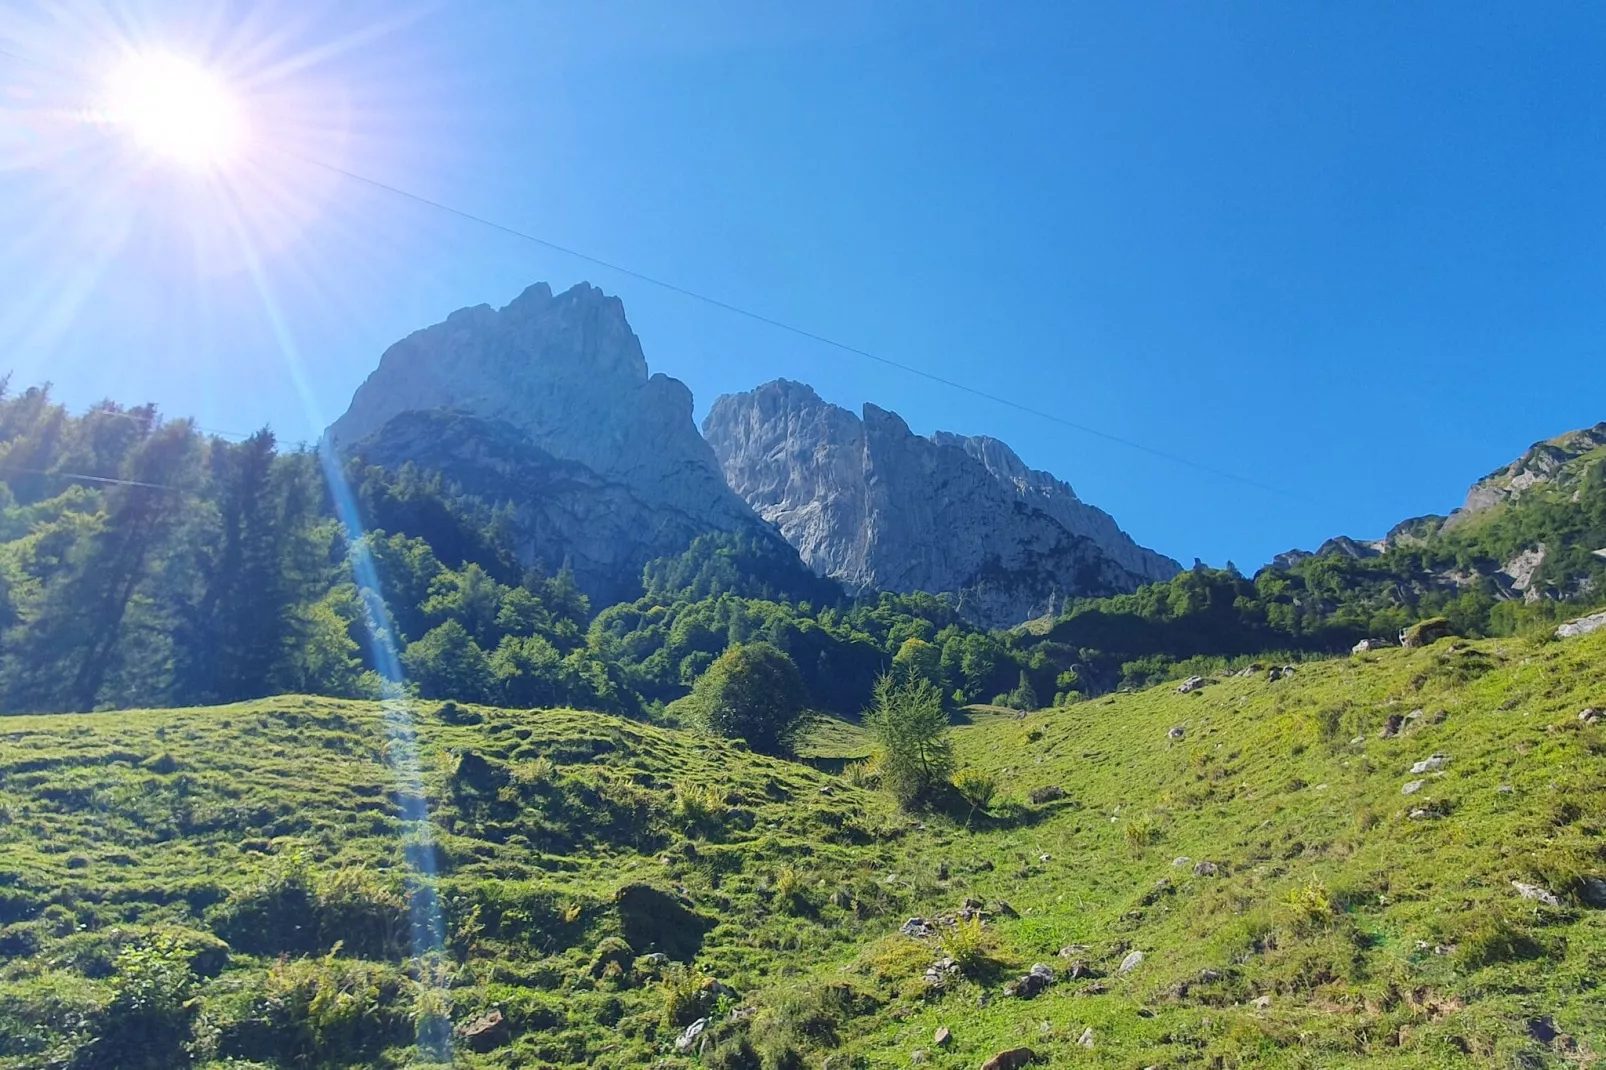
[(253, 885)]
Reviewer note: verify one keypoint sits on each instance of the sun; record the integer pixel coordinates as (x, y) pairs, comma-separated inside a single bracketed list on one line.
[(176, 110)]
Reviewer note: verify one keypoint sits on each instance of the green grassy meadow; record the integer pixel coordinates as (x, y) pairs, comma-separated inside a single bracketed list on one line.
[(234, 886)]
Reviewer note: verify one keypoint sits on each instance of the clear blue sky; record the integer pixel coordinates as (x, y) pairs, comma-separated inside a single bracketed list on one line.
[(1355, 251)]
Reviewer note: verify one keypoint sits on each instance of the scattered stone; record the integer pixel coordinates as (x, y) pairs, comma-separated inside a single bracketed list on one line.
[(1131, 962), (1071, 951), (1505, 789), (1209, 976), (1366, 645), (1593, 892), (653, 960), (942, 1037), (1013, 1059), (1263, 1002), (684, 1042), (485, 1033), (1542, 1030), (1176, 733), (825, 789), (919, 1055), (1038, 796), (917, 927), (1039, 977), (1391, 728), (1206, 869), (1592, 715), (1044, 857), (1192, 683), (1412, 787), (1181, 860), (1357, 741), (1422, 815), (1273, 675), (939, 973), (1077, 969), (1536, 893), (1086, 1040), (1581, 626), (1003, 909), (1430, 765)]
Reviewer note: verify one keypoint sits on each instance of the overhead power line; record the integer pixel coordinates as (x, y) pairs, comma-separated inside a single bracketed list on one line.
[(769, 321), (801, 332)]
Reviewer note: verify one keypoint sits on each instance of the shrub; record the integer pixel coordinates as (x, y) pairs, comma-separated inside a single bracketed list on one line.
[(686, 994), (791, 886), (975, 787), (1140, 831), (1310, 906), (148, 1020), (908, 722), (752, 692), (698, 806), (966, 944)]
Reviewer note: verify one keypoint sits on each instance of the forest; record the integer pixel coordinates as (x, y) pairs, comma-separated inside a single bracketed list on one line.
[(144, 563)]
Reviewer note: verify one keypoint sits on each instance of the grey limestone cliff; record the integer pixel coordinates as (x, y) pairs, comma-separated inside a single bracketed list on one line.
[(547, 404), (868, 502)]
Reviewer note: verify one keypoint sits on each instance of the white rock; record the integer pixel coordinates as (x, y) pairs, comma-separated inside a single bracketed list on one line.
[(1131, 962), (1536, 893), (1412, 788), (1430, 765), (874, 505), (1581, 626)]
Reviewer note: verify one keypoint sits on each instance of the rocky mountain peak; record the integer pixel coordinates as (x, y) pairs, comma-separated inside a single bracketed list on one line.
[(553, 378), (868, 502)]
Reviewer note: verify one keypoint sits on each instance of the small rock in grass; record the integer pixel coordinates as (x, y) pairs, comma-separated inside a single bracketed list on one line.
[(1412, 787), (919, 1055), (1192, 683), (1049, 793), (1357, 741), (1505, 789), (1176, 733), (1391, 727), (1044, 857), (1087, 1037), (1592, 715), (1593, 892), (1206, 869), (1263, 1002), (942, 1037), (684, 1042), (1131, 962), (1536, 893), (1209, 976), (1430, 765), (1181, 860), (1422, 815), (1542, 1030)]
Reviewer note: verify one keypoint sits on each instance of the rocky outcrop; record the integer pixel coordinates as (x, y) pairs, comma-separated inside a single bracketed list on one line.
[(547, 405), (868, 502), (1543, 463)]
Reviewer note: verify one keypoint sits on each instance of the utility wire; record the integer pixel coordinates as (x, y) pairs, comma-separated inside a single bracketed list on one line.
[(6, 472), (800, 332), (768, 321)]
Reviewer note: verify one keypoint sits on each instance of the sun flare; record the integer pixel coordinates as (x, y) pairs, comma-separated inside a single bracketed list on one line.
[(177, 110)]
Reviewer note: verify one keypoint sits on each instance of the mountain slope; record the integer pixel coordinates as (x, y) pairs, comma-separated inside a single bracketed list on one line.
[(560, 377), (873, 505), (1533, 531), (1352, 912)]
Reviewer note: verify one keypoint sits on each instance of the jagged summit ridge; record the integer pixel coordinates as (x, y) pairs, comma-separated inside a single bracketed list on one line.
[(868, 502), (548, 379)]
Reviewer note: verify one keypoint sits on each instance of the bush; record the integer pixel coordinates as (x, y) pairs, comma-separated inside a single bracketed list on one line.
[(908, 722), (752, 692), (966, 944), (975, 787)]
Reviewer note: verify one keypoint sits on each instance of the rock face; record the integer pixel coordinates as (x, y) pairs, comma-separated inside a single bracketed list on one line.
[(870, 503), (1541, 464), (547, 405)]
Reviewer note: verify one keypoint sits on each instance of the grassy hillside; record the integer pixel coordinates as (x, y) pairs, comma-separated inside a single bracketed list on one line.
[(230, 884)]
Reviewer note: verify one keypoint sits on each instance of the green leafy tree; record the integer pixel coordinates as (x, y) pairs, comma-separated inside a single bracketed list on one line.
[(910, 728), (916, 657), (447, 663), (754, 692)]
